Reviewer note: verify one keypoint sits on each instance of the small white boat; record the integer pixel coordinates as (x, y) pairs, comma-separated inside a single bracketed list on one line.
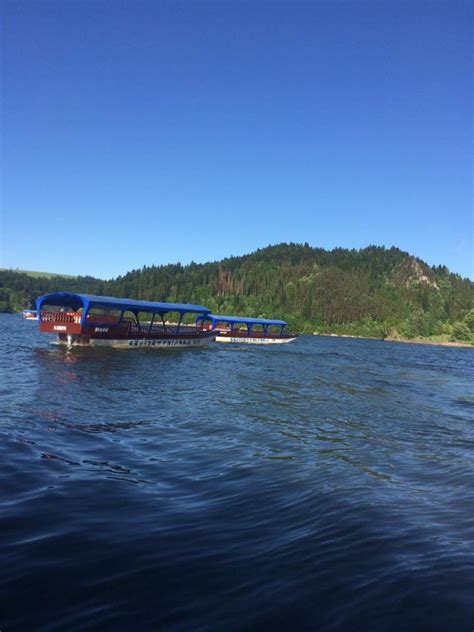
[(240, 329), (30, 314)]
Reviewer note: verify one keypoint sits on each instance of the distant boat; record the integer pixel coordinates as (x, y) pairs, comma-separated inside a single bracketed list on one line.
[(229, 329), (87, 320), (30, 314)]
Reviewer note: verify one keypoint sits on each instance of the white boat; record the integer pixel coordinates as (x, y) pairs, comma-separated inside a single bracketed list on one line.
[(30, 314), (241, 330)]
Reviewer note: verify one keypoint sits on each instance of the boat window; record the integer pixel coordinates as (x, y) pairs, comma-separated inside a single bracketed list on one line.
[(143, 321), (274, 330), (188, 319), (128, 317), (47, 307), (175, 321), (225, 326), (201, 324), (103, 315), (146, 318)]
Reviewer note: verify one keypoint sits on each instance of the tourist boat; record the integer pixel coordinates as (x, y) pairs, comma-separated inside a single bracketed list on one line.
[(86, 320), (30, 314), (242, 329)]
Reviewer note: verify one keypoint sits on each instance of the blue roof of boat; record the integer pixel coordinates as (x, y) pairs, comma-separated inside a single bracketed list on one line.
[(76, 301), (245, 320)]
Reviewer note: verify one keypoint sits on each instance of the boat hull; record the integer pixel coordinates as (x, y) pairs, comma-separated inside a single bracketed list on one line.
[(255, 341), (162, 342), (124, 335), (165, 343)]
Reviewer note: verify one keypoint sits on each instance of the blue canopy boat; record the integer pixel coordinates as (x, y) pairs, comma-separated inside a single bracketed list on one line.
[(245, 330), (84, 319)]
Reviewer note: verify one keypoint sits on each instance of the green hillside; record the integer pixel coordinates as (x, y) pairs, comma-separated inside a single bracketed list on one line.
[(371, 292), (38, 275)]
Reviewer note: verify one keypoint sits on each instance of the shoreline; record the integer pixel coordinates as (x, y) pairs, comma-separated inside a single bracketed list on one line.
[(409, 341), (438, 343)]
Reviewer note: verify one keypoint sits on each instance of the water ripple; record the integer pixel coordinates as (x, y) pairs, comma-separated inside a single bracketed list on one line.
[(325, 485)]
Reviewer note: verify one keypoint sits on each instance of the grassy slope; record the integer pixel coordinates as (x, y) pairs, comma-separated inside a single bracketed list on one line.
[(38, 275)]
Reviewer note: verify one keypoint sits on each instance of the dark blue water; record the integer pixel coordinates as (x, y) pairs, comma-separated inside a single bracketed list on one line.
[(323, 485)]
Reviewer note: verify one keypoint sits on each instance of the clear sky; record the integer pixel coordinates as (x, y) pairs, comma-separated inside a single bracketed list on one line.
[(149, 132)]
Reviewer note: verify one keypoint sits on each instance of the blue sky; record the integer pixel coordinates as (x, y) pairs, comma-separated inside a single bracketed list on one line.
[(152, 132)]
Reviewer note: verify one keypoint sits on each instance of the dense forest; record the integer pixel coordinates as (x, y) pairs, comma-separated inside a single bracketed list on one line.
[(370, 292)]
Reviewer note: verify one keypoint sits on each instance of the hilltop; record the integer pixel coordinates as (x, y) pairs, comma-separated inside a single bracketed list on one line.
[(34, 274), (374, 291)]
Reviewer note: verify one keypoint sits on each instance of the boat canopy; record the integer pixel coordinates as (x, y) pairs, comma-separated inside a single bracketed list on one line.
[(86, 301), (242, 320)]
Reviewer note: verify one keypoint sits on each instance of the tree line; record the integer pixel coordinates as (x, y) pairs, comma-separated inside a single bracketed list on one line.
[(373, 291)]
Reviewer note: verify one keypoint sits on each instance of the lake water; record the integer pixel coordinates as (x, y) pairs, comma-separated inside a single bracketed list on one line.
[(326, 484)]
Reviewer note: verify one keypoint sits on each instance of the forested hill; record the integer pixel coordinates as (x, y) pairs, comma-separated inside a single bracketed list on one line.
[(374, 291)]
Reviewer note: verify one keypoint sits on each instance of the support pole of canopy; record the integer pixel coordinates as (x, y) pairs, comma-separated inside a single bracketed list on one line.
[(179, 322), (163, 321), (151, 322), (85, 312)]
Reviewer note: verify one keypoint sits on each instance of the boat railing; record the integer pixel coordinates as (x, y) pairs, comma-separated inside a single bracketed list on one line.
[(161, 330), (244, 333), (60, 317), (103, 319)]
